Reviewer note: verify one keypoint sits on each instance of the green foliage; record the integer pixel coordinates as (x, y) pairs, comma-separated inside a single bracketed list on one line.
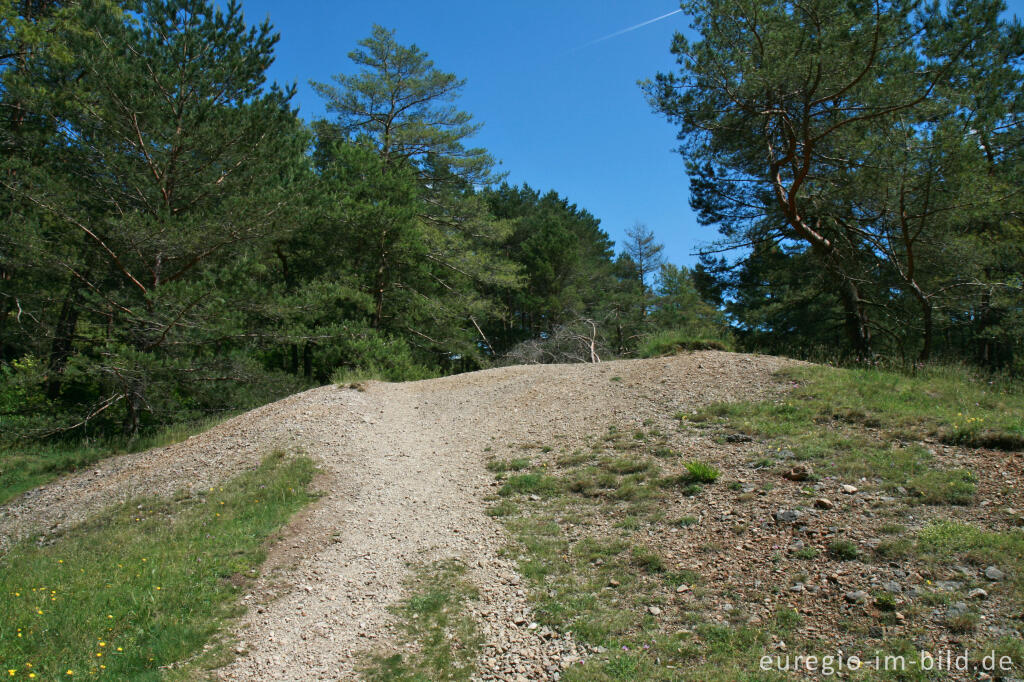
[(701, 472), (844, 550), (855, 157), (145, 585), (534, 484), (672, 343)]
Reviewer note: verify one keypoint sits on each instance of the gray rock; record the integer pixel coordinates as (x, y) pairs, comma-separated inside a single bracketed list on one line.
[(892, 586), (849, 489), (824, 503), (787, 516), (857, 597), (654, 610), (993, 573), (949, 585), (738, 438), (977, 593)]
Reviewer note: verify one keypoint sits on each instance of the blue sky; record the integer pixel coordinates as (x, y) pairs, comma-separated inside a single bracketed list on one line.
[(559, 111)]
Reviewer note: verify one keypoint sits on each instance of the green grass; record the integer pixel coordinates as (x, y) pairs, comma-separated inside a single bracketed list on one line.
[(843, 550), (440, 638), (855, 423), (701, 472), (674, 342), (944, 487), (585, 551), (146, 584), (944, 401), (503, 465), (26, 466), (535, 484), (946, 540)]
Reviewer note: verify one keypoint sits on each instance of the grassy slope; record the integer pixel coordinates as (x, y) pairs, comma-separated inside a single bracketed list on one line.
[(144, 585), (580, 521), (30, 465)]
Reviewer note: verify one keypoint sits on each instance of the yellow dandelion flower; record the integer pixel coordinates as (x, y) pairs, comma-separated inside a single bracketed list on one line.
[(12, 673), (70, 672), (158, 587), (120, 649), (99, 654), (31, 674), (39, 612), (103, 643)]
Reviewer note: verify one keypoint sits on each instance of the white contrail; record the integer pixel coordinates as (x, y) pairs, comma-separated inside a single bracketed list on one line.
[(627, 30)]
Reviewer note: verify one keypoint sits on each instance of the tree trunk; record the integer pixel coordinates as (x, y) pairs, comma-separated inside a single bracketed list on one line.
[(307, 360), (63, 338), (133, 403), (858, 331)]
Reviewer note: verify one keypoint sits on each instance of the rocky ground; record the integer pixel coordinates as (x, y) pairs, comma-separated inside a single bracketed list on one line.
[(405, 483), (404, 480)]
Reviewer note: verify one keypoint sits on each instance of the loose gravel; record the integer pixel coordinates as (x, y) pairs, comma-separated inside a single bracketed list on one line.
[(404, 483)]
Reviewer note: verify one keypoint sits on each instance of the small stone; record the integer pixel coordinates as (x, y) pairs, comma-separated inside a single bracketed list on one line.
[(799, 587), (977, 593), (849, 489), (892, 587), (857, 597), (535, 498), (993, 573), (900, 616), (824, 503), (787, 516), (654, 610), (613, 583), (738, 438), (801, 472), (682, 588)]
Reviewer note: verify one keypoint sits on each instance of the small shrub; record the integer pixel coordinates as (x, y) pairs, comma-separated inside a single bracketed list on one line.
[(675, 342), (885, 601), (701, 472), (646, 560), (962, 622), (806, 553), (843, 550)]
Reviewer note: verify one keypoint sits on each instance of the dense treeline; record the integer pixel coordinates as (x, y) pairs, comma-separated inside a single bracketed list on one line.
[(863, 158), (177, 242)]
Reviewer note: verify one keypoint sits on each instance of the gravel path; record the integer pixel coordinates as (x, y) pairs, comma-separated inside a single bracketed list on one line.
[(404, 477)]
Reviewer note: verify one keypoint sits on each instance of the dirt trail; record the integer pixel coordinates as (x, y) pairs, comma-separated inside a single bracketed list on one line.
[(404, 480)]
